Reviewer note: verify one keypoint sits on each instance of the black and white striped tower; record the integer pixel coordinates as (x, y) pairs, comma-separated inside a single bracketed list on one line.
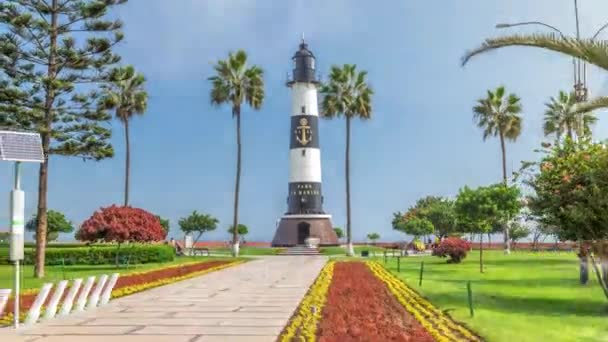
[(305, 216)]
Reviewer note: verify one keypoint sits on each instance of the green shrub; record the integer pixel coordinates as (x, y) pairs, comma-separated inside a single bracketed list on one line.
[(31, 244), (98, 255), (4, 255)]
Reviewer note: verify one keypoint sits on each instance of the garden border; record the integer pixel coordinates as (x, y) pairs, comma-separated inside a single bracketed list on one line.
[(6, 320), (439, 324), (304, 322)]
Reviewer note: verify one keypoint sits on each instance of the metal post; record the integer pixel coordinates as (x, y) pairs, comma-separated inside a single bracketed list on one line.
[(17, 299), (18, 147), (421, 271), (398, 264), (470, 293), (17, 175)]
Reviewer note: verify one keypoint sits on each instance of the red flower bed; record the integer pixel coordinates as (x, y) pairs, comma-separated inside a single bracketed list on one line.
[(125, 281), (360, 308), (170, 272)]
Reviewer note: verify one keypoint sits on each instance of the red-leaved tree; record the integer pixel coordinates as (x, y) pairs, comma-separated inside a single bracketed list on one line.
[(454, 248), (121, 224)]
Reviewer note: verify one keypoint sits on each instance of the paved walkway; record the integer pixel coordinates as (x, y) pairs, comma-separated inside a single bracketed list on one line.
[(250, 302)]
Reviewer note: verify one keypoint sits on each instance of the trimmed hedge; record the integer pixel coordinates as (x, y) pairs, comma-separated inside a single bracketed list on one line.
[(99, 255), (60, 245)]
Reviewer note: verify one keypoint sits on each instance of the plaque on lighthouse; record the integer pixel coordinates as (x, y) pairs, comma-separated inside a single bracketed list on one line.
[(303, 132), (305, 217)]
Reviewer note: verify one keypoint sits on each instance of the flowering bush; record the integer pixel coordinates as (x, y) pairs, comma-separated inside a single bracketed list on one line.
[(452, 247), (418, 245), (121, 224)]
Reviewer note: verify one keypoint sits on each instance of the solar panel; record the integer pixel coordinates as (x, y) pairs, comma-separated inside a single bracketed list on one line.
[(21, 146)]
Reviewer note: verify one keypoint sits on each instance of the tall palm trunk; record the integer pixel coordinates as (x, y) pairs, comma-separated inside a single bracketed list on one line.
[(127, 160), (235, 220), (349, 232), (46, 143), (507, 243)]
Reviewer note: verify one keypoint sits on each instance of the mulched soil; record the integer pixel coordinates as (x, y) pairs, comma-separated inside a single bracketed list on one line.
[(360, 308), (123, 281)]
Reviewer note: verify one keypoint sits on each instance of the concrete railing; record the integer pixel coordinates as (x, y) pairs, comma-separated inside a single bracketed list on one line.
[(90, 296), (4, 294)]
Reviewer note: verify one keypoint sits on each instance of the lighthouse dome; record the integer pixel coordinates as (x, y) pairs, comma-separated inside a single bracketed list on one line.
[(304, 65)]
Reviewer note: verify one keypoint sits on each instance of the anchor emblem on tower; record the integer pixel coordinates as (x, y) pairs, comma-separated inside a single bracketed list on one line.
[(303, 132)]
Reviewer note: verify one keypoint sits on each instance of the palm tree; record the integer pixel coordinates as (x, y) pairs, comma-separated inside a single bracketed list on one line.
[(347, 94), (234, 84), (560, 118), (125, 93), (498, 115), (592, 51)]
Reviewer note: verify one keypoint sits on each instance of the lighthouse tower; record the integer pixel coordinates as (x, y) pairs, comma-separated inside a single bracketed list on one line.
[(305, 216)]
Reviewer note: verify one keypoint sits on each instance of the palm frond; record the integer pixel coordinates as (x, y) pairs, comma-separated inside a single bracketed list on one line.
[(499, 93), (592, 51), (125, 93), (498, 113), (234, 82), (549, 127), (591, 105)]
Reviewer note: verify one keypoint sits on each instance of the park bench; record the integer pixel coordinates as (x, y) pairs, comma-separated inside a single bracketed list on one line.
[(200, 251)]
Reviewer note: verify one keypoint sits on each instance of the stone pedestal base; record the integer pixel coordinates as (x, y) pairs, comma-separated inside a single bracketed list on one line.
[(293, 230)]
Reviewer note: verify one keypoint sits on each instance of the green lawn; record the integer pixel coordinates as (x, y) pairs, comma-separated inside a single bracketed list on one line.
[(358, 249), (520, 297), (56, 273)]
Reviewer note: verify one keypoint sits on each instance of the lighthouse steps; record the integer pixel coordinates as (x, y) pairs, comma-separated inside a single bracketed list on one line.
[(300, 250)]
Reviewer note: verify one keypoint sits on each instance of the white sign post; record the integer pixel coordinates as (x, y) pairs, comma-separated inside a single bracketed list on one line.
[(17, 206), (18, 147)]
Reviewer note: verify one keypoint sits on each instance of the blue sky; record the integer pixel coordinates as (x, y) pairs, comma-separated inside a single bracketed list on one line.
[(421, 140)]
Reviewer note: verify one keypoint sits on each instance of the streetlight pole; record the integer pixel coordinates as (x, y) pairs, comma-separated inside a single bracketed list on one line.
[(581, 92), (525, 23)]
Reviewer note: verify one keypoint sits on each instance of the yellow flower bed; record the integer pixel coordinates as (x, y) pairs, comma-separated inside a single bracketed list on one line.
[(127, 290), (7, 320), (28, 292), (441, 326), (303, 326)]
